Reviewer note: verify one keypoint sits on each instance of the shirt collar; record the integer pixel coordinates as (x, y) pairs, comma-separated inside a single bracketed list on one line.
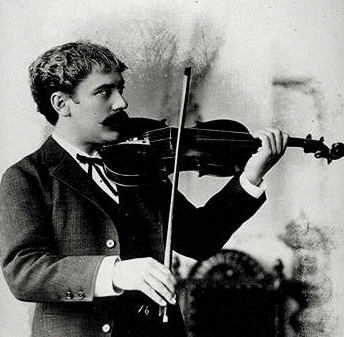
[(71, 149)]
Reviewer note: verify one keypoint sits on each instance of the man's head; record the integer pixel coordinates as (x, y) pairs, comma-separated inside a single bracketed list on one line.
[(62, 69), (78, 87)]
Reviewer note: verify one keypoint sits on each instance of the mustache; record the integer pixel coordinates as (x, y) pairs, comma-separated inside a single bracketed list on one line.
[(119, 117)]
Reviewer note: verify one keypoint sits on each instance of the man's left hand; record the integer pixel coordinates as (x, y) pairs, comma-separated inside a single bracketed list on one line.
[(274, 143)]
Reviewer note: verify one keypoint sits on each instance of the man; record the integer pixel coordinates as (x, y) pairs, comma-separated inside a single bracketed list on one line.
[(89, 252)]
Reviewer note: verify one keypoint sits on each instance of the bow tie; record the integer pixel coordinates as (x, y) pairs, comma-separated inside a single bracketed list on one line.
[(89, 160), (96, 162)]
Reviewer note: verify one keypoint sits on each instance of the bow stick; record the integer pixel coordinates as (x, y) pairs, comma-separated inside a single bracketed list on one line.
[(168, 246)]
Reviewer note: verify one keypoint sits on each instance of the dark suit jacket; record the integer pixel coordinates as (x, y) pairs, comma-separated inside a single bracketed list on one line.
[(54, 225)]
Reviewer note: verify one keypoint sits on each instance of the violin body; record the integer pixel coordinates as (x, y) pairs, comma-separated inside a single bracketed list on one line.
[(149, 152), (218, 148)]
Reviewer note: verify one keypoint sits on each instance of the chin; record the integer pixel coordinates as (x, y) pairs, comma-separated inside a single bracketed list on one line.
[(111, 137)]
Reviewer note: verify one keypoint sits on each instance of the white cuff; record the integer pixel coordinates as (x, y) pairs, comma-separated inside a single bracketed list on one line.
[(253, 190), (104, 285)]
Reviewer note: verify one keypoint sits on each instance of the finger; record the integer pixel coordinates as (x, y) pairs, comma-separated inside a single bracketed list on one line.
[(164, 277), (281, 140), (268, 142), (160, 287), (163, 272), (285, 140), (151, 293), (277, 136)]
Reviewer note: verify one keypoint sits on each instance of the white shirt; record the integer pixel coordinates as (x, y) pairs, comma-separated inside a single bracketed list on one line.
[(103, 285), (73, 151)]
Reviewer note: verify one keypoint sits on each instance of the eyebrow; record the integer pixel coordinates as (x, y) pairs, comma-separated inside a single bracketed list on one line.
[(119, 84)]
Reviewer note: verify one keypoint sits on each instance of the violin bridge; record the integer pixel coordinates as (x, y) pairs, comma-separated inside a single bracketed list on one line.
[(137, 141)]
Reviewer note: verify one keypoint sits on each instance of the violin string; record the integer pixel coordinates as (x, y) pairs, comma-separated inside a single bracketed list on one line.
[(208, 134), (243, 141), (168, 129)]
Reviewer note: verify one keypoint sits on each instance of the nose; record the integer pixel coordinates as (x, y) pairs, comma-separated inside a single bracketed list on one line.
[(118, 101)]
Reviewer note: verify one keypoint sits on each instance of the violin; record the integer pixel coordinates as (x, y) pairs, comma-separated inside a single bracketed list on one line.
[(218, 147)]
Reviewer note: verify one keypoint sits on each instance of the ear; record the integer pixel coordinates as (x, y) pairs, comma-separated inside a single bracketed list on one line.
[(59, 101)]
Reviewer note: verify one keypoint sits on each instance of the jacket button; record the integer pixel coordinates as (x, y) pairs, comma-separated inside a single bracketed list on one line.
[(81, 295), (69, 295), (110, 243), (106, 328)]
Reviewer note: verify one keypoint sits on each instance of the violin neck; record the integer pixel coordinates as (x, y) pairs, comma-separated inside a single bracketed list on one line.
[(310, 145), (296, 142)]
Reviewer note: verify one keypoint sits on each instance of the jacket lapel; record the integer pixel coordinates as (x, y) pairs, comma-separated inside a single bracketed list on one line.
[(64, 168)]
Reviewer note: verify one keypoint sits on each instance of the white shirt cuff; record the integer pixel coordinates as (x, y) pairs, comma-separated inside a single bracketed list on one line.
[(104, 286), (253, 190)]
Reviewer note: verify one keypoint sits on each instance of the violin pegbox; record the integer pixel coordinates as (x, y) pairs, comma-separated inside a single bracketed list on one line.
[(317, 147)]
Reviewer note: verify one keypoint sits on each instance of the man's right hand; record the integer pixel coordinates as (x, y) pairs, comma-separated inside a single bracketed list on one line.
[(146, 275)]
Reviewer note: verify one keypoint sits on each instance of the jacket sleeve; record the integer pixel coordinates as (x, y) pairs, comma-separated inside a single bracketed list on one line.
[(32, 266), (201, 232)]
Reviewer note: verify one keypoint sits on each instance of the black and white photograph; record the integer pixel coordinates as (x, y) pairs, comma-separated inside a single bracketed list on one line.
[(172, 168)]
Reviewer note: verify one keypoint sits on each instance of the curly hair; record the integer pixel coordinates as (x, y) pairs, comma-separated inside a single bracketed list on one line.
[(63, 67)]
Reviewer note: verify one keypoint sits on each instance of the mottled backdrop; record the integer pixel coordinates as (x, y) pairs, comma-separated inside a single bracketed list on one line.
[(264, 63)]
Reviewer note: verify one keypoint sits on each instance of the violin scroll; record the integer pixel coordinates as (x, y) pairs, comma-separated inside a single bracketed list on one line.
[(337, 151), (318, 147)]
